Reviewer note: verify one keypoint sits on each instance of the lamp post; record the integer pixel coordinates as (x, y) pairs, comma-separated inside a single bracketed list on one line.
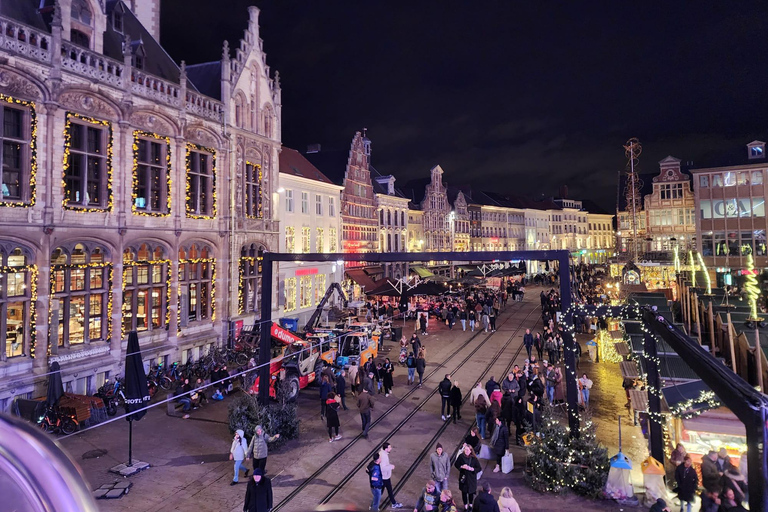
[(452, 220)]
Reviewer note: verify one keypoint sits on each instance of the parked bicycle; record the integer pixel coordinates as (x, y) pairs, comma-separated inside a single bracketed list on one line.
[(58, 422), (111, 394)]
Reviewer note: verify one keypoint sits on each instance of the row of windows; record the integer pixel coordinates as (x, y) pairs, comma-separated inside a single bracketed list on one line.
[(87, 175), (599, 227), (733, 243), (732, 208), (388, 217), (310, 291), (671, 217), (360, 233), (387, 244), (319, 207), (670, 190), (306, 243), (730, 179)]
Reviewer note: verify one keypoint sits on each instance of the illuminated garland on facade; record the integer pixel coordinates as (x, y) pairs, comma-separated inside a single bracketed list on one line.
[(705, 401), (128, 267), (138, 134), (260, 198), (752, 288), (32, 273), (65, 166), (30, 105), (197, 147), (108, 266)]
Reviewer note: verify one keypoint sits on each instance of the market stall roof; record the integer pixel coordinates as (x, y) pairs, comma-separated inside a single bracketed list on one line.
[(638, 345), (359, 276), (422, 272), (385, 289), (633, 327), (673, 368), (629, 369), (639, 399), (678, 394), (717, 425), (622, 348)]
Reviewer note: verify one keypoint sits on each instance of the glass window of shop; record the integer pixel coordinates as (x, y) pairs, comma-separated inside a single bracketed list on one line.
[(80, 277), (732, 208), (145, 288), (195, 283), (15, 301)]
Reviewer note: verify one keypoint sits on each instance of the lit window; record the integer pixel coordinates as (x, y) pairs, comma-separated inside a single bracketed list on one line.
[(15, 153), (145, 289), (290, 239), (305, 240), (201, 183), (320, 241), (151, 188), (253, 200), (86, 174), (306, 291), (250, 277), (319, 288), (196, 269), (16, 306), (290, 294), (332, 241)]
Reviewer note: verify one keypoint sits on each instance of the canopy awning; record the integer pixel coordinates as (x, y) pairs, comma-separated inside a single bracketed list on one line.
[(622, 349), (639, 399), (688, 397), (722, 426), (361, 278), (629, 370), (422, 272)]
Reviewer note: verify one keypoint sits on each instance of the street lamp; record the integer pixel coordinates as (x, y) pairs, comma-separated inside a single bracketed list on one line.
[(452, 220)]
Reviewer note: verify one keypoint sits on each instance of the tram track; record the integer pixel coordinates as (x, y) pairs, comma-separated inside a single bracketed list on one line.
[(364, 462), (428, 447), (324, 467)]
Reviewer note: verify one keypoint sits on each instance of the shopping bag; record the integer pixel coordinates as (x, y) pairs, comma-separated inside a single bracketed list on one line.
[(485, 453), (507, 463)]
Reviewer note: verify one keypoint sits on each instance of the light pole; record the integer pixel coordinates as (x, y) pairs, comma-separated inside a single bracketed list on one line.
[(452, 220)]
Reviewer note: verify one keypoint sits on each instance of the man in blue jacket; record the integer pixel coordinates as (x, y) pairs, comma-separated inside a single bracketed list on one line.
[(377, 482)]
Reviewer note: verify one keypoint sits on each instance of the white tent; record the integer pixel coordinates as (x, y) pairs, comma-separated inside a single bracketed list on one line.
[(653, 480)]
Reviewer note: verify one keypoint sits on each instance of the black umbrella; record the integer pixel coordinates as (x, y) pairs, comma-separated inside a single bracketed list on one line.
[(55, 387), (136, 391)]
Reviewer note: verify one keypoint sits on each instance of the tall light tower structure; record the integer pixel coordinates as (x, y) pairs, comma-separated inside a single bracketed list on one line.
[(632, 150)]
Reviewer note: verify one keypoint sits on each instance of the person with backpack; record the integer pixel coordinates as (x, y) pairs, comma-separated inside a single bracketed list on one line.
[(410, 363), (444, 388), (375, 480)]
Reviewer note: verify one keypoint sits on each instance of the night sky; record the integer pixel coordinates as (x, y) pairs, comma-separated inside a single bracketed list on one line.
[(516, 97)]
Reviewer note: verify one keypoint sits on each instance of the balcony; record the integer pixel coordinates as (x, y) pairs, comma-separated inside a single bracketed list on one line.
[(24, 40), (84, 62), (149, 86)]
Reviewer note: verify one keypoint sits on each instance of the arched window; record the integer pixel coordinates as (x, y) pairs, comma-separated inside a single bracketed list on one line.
[(16, 302), (402, 218), (389, 217), (251, 258), (81, 17), (146, 290), (197, 275), (80, 283)]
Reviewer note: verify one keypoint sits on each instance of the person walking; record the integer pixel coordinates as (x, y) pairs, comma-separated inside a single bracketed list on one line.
[(486, 321), (421, 364), (375, 480), (456, 399), (341, 388), (463, 319), (365, 406), (354, 379), (386, 376), (468, 467), (492, 319), (507, 501), (440, 465), (429, 498), (484, 501), (444, 388), (687, 483), (410, 363), (500, 442), (415, 344), (325, 388), (585, 385), (489, 387), (237, 453), (471, 317), (332, 417), (551, 383), (539, 344), (386, 473), (481, 410), (528, 342), (258, 448), (258, 495)]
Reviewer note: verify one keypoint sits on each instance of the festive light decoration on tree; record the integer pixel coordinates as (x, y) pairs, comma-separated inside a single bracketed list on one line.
[(137, 135), (607, 347), (30, 106), (706, 274), (752, 288), (65, 167), (188, 164), (692, 263)]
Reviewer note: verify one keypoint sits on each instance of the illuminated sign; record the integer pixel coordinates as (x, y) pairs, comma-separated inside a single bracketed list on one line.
[(732, 208), (306, 271)]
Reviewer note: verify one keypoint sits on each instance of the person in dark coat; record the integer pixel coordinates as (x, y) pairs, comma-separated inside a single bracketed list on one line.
[(332, 417), (444, 388), (710, 476), (507, 408), (660, 506), (687, 482), (456, 401), (484, 501), (386, 376), (258, 495), (468, 467), (500, 443), (325, 388), (490, 386), (518, 414), (341, 388), (421, 364)]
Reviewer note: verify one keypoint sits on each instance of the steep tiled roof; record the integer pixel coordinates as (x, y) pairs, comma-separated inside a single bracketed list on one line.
[(379, 188), (292, 162), (25, 11), (206, 77)]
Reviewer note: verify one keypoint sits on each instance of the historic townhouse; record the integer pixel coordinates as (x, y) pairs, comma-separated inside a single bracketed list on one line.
[(458, 220), (670, 210), (437, 232), (136, 194), (311, 222), (393, 221)]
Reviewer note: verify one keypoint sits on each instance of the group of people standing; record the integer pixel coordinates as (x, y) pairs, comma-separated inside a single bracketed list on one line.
[(725, 485)]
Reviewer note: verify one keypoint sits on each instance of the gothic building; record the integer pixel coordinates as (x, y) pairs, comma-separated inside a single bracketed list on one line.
[(136, 193)]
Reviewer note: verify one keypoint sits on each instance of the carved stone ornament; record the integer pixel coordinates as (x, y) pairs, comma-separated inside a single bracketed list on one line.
[(200, 136), (17, 86), (79, 101), (148, 121)]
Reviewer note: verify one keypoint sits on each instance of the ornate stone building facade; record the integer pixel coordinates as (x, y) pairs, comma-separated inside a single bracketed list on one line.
[(437, 231), (136, 193)]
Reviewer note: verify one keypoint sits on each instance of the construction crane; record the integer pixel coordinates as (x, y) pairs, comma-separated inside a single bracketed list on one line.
[(315, 318)]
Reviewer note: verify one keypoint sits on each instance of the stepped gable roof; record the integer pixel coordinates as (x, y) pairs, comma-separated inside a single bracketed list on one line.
[(293, 163), (206, 78), (27, 12), (157, 61), (332, 163), (737, 155)]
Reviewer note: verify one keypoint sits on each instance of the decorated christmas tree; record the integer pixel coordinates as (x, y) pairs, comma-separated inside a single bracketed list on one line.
[(557, 462)]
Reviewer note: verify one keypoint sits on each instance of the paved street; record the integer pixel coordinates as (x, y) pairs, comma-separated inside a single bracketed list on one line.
[(189, 458)]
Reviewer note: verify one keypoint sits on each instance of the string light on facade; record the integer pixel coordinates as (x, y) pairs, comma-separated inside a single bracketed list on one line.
[(137, 135), (31, 272), (188, 167), (30, 106), (65, 165)]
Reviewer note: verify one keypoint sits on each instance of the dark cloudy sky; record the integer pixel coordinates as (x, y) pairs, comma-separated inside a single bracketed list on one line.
[(517, 97)]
